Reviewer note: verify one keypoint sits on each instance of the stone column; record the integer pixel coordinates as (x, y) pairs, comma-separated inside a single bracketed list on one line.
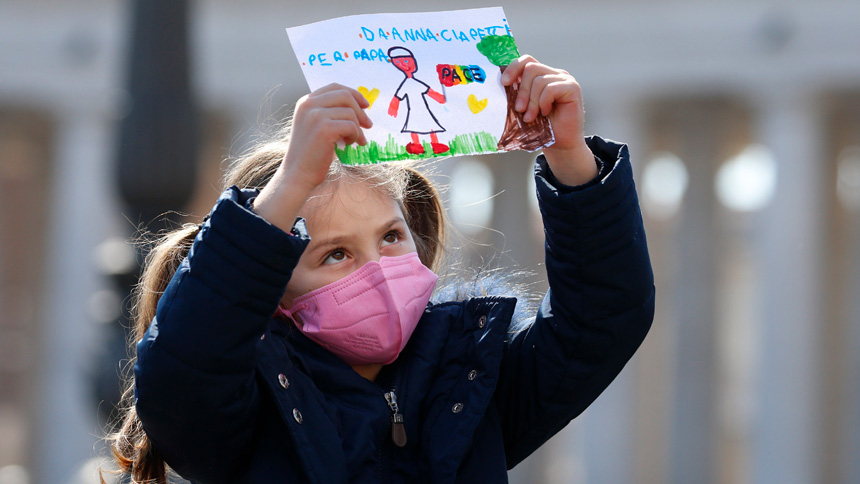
[(851, 441), (787, 245), (66, 427), (699, 127)]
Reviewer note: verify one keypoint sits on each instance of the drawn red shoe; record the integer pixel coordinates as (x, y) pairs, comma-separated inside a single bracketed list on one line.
[(416, 148), (438, 148)]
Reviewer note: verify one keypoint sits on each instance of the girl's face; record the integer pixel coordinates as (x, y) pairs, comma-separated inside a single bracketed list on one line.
[(350, 224)]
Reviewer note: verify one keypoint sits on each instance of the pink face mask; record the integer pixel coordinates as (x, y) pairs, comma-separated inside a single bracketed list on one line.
[(369, 315)]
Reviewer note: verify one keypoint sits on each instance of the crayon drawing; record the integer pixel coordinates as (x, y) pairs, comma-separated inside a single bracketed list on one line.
[(419, 117), (433, 82), (370, 94)]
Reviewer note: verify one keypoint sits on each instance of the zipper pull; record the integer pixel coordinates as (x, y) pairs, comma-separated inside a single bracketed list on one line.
[(398, 430)]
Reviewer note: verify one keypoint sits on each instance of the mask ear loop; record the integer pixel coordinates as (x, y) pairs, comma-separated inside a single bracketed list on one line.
[(297, 320), (291, 313)]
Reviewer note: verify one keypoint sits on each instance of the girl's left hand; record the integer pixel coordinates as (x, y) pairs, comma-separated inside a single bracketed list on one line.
[(555, 94)]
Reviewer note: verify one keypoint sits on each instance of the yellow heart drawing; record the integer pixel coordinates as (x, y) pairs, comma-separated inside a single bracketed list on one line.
[(475, 105), (369, 94)]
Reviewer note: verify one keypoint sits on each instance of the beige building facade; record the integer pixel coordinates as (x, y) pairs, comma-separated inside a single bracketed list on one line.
[(743, 120)]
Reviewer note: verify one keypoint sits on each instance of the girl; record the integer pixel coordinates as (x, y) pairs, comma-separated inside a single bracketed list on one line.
[(287, 349)]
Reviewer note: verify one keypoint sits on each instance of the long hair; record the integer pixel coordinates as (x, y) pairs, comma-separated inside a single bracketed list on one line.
[(416, 195)]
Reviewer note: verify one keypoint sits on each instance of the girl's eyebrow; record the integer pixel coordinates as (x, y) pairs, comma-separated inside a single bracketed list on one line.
[(325, 243), (341, 239), (392, 223)]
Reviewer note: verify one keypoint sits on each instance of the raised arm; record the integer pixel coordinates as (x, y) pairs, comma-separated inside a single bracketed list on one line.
[(197, 393), (196, 363), (596, 313), (601, 298)]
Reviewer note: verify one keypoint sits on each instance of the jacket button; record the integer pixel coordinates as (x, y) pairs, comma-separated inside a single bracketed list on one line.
[(298, 416), (482, 321), (282, 379), (472, 375), (457, 408)]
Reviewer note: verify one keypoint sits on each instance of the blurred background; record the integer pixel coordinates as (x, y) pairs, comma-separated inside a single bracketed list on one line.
[(743, 120)]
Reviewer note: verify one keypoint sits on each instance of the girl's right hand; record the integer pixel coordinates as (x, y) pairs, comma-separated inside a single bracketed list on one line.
[(321, 119)]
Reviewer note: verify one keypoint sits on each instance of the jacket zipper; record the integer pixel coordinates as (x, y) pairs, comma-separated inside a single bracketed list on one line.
[(398, 429), (398, 433)]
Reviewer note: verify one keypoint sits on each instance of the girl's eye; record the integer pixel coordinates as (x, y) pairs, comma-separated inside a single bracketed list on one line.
[(390, 238), (335, 256)]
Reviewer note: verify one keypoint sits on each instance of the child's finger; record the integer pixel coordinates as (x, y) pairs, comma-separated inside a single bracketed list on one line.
[(345, 98), (349, 115), (356, 137), (532, 71), (560, 89), (348, 131), (336, 98), (536, 91), (541, 101), (359, 98), (326, 89), (515, 69), (547, 98), (525, 76), (342, 114)]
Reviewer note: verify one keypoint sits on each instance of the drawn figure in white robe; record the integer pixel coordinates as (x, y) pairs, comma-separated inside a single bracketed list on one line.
[(419, 117)]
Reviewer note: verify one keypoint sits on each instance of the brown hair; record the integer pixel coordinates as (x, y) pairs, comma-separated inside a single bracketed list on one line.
[(422, 207)]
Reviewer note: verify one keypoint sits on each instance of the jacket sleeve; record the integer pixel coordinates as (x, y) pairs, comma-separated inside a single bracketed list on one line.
[(195, 385), (596, 313)]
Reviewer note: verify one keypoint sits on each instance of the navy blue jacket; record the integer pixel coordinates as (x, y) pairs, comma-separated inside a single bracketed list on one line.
[(229, 394)]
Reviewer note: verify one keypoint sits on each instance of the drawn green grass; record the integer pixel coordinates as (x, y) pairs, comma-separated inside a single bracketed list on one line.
[(373, 152)]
